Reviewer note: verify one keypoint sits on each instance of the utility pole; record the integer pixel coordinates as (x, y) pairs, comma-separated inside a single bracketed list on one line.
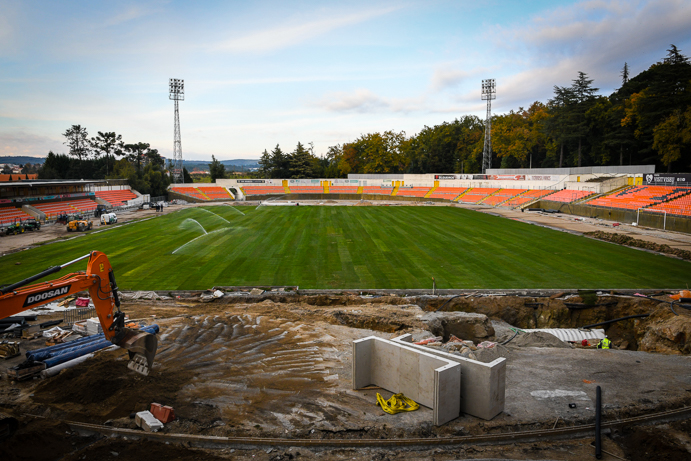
[(176, 90), (489, 92)]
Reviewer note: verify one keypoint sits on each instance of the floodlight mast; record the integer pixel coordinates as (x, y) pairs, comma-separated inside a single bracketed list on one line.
[(489, 92), (176, 90)]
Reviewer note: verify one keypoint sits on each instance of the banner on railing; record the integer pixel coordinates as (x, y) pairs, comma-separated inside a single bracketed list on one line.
[(53, 197)]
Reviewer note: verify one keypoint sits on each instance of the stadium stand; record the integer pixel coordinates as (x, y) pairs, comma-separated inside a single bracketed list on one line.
[(475, 194), (413, 191), (191, 191), (568, 195), (343, 189), (448, 193), (9, 215), (639, 197), (262, 190), (679, 206), (377, 190), (53, 209), (528, 197), (116, 197), (501, 196), (306, 189), (216, 193)]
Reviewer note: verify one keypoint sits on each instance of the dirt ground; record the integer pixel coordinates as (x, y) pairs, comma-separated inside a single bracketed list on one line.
[(260, 368)]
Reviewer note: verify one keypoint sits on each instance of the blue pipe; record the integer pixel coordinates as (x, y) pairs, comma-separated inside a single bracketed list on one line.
[(70, 349), (77, 352), (68, 344)]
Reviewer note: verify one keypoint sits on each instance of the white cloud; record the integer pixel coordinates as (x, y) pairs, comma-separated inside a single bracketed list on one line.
[(19, 142), (286, 36), (365, 101)]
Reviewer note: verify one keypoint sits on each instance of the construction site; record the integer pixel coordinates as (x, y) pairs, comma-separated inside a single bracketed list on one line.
[(282, 372)]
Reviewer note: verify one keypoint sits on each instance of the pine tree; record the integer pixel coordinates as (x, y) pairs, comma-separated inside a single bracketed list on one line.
[(300, 163), (266, 164)]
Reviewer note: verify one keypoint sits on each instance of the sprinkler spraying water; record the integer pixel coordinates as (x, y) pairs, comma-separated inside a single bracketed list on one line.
[(218, 216), (187, 221), (197, 238)]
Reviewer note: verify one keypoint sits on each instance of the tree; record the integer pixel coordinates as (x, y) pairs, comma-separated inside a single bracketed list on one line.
[(625, 74), (216, 169), (186, 178), (672, 136), (300, 163), (136, 153), (584, 95), (77, 141), (280, 163), (266, 165), (107, 144), (558, 121)]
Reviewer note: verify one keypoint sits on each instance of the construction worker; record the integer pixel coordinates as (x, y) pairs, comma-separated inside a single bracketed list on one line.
[(604, 343)]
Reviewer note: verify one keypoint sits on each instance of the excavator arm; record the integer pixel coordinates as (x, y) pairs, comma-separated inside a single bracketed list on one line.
[(100, 281)]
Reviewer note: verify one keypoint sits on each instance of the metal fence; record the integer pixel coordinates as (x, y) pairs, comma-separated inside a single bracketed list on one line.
[(74, 315)]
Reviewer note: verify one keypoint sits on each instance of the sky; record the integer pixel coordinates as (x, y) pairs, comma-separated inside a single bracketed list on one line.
[(263, 73)]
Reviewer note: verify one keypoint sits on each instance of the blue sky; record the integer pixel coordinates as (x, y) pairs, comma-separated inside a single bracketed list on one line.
[(259, 74)]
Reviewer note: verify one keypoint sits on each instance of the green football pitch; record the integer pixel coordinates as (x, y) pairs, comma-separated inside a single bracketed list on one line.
[(349, 248)]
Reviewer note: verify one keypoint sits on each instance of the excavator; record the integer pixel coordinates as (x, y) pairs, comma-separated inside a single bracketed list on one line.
[(100, 281)]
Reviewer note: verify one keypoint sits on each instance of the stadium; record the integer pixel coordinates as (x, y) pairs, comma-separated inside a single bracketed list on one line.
[(295, 273), (479, 247)]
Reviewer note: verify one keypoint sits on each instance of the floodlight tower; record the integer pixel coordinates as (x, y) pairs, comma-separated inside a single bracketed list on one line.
[(176, 89), (489, 92)]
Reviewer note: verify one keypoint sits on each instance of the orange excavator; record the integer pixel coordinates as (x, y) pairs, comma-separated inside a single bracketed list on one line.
[(100, 282)]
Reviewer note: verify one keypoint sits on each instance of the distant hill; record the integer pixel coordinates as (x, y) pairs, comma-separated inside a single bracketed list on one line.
[(21, 160), (235, 164)]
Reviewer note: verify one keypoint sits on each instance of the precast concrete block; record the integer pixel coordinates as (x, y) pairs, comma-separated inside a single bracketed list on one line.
[(431, 381), (483, 385), (147, 421)]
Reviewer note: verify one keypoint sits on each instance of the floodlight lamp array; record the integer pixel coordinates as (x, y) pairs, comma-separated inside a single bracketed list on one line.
[(489, 89), (176, 88)]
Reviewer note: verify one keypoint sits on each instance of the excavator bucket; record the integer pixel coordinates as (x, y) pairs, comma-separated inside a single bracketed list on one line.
[(142, 348)]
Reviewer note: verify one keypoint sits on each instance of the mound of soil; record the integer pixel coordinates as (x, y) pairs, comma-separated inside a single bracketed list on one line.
[(537, 339), (622, 239), (104, 388)]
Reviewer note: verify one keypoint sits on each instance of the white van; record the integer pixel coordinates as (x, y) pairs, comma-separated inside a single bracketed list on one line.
[(109, 218)]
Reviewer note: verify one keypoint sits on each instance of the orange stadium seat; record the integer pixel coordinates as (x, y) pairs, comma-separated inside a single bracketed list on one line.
[(377, 190), (679, 206), (8, 215), (448, 193), (639, 197), (263, 190), (306, 189), (116, 197), (215, 193), (343, 189), (191, 191), (568, 195), (413, 191), (475, 194), (502, 196), (53, 209), (529, 196)]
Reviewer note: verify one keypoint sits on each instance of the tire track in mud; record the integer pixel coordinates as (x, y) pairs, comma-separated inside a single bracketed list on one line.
[(251, 368)]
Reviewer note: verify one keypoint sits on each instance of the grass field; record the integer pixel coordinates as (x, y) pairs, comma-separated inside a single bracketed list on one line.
[(352, 247)]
